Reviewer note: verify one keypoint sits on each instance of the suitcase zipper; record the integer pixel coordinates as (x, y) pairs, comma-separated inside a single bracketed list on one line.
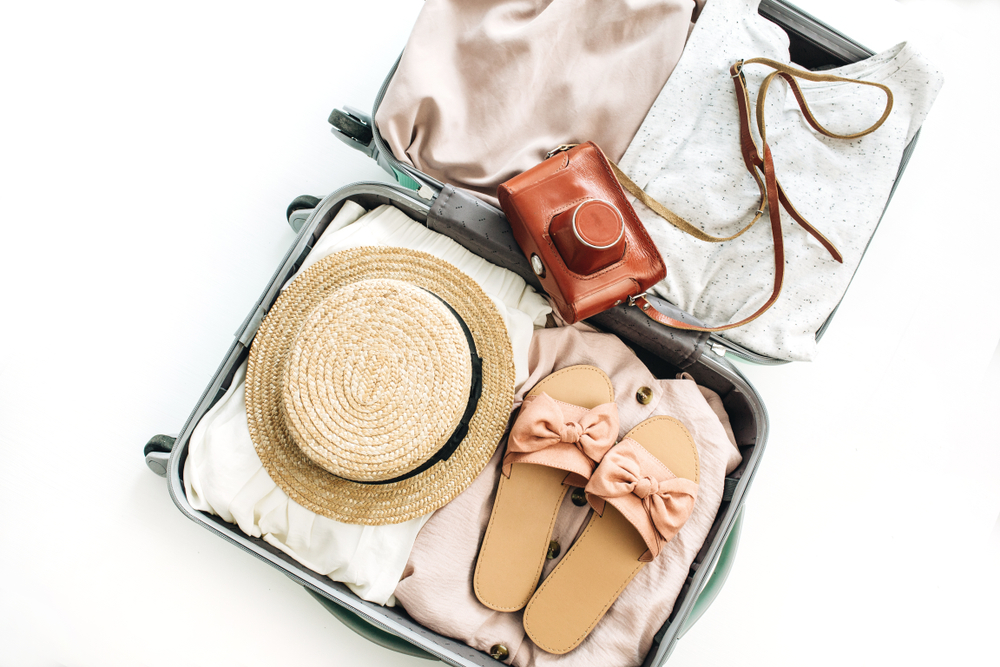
[(724, 348)]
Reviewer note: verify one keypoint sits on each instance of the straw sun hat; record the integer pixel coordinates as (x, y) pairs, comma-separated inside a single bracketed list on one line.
[(379, 385)]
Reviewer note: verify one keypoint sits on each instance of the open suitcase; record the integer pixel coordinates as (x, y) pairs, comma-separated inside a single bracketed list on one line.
[(484, 231)]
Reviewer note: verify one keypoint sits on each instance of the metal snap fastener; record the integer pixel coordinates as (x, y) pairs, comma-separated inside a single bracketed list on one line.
[(644, 395), (499, 652), (537, 266), (554, 550), (578, 497)]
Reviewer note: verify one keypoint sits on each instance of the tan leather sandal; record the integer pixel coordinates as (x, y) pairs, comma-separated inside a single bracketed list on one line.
[(567, 423), (642, 493)]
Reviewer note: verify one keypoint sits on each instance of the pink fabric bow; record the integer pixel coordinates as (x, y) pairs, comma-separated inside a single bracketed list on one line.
[(645, 491), (556, 434)]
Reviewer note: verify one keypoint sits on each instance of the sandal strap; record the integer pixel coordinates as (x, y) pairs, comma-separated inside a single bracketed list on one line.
[(561, 435), (640, 486)]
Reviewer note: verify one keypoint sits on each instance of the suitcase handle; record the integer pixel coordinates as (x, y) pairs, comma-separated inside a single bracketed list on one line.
[(157, 453), (719, 575)]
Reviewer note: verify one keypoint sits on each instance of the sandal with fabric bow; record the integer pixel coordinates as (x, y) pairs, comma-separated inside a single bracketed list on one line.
[(567, 423), (642, 494)]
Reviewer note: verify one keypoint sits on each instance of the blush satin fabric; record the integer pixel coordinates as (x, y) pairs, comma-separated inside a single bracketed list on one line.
[(484, 89), (436, 588)]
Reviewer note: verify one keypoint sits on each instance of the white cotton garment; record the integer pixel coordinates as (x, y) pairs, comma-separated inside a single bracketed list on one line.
[(224, 476), (687, 156)]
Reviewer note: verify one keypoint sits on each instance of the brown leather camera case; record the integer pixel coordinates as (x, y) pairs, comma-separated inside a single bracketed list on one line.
[(559, 184)]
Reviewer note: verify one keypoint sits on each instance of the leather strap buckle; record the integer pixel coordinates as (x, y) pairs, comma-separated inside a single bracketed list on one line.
[(633, 299)]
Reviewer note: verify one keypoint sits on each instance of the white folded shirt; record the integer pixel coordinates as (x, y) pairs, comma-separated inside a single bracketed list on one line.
[(224, 476)]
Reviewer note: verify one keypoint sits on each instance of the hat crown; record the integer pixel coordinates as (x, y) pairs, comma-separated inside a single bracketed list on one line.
[(279, 441), (376, 380)]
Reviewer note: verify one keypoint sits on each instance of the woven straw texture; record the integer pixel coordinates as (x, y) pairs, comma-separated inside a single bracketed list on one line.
[(357, 373), (377, 380)]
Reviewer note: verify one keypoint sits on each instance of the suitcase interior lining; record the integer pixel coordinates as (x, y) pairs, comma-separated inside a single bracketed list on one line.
[(743, 405)]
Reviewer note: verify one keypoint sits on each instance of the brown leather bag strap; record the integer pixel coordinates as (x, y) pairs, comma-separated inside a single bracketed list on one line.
[(790, 74), (761, 167), (771, 193), (668, 215)]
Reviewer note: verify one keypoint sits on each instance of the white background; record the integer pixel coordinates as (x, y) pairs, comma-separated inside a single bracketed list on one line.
[(148, 153)]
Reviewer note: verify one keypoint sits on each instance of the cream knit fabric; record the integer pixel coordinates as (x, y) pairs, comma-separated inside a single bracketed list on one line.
[(687, 156)]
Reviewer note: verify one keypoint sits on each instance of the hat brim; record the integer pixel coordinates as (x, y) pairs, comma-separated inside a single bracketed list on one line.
[(395, 502)]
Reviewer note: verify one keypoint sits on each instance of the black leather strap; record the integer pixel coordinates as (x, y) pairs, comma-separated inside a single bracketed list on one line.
[(458, 435)]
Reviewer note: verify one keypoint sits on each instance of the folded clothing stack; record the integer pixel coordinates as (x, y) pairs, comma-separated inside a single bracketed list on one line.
[(427, 563), (483, 91)]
